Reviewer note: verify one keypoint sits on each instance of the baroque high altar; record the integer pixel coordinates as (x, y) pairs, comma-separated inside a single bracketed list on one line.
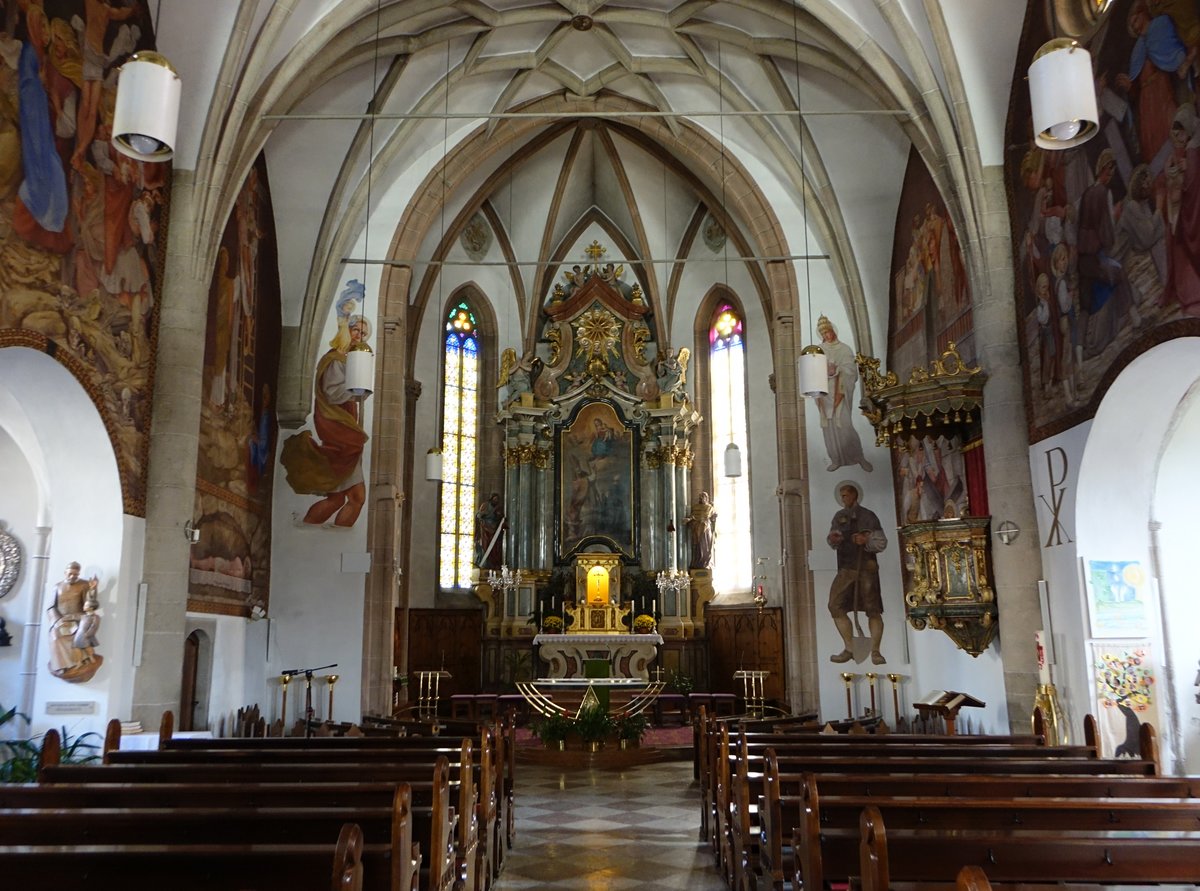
[(597, 431)]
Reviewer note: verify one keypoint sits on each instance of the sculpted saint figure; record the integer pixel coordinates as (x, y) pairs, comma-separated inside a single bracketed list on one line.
[(73, 627), (702, 525)]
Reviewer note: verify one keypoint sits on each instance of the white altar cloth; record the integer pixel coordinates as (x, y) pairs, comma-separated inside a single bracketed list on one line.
[(629, 655)]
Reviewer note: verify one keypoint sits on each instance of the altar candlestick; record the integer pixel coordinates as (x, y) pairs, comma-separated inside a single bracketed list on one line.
[(871, 676), (895, 679)]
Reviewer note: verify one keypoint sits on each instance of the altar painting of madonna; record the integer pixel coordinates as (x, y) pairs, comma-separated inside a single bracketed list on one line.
[(596, 481)]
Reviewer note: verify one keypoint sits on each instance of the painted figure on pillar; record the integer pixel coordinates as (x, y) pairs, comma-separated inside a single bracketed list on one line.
[(73, 627), (331, 466), (857, 536), (837, 407)]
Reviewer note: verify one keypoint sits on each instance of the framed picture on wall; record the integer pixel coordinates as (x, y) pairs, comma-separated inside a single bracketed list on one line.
[(1118, 596), (1126, 694)]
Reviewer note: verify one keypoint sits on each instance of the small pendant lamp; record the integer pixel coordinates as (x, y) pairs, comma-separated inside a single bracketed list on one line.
[(147, 109), (814, 371), (733, 460), (433, 465), (1062, 95)]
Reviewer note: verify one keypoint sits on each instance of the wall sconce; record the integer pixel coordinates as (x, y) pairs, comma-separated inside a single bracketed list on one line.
[(1007, 532), (191, 533), (147, 109), (1062, 95)]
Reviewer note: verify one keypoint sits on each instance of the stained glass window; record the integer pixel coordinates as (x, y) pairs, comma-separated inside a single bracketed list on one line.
[(460, 428), (732, 561)]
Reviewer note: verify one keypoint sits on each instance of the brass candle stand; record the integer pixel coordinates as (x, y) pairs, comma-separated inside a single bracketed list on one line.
[(849, 679), (895, 679), (872, 677), (331, 679), (284, 680)]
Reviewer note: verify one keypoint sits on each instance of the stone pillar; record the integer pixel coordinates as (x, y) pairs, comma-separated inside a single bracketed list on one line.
[(799, 603), (171, 471), (1017, 566), (390, 467)]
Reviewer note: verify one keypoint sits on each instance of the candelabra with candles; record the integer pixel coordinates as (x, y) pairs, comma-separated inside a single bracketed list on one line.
[(505, 580), (760, 584), (673, 580)]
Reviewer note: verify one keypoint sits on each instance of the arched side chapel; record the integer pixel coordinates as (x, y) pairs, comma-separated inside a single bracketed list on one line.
[(681, 141)]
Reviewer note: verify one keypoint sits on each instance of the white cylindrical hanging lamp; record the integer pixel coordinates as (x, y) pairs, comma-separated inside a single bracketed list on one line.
[(733, 460), (1062, 95), (147, 109), (433, 465), (814, 372), (360, 371)]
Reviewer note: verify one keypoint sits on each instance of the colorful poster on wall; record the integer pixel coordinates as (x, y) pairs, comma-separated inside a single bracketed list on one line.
[(1126, 696), (1117, 598)]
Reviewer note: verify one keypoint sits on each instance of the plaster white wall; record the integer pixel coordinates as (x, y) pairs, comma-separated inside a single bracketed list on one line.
[(1129, 446), (61, 431), (19, 499)]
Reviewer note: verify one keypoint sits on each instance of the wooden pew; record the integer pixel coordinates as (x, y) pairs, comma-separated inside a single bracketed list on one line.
[(785, 795), (503, 758), (1015, 855), (736, 814), (435, 825), (191, 867), (486, 857)]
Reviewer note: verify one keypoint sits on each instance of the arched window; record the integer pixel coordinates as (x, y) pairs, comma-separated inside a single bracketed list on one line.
[(732, 566), (460, 431)]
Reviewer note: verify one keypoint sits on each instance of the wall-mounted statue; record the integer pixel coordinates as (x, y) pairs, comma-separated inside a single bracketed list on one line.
[(73, 627), (671, 370), (702, 528), (517, 376)]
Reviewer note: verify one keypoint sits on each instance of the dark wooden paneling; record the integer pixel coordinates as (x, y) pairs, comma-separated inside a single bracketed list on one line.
[(744, 638), (450, 639)]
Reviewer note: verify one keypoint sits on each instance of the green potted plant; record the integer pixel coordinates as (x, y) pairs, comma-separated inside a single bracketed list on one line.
[(594, 725), (552, 730), (677, 682), (19, 757), (631, 729)]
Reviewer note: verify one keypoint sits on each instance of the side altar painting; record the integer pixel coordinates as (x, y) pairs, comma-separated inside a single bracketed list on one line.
[(1106, 235), (230, 564), (80, 251), (597, 468)]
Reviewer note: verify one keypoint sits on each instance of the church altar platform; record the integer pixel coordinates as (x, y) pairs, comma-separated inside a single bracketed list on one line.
[(628, 655)]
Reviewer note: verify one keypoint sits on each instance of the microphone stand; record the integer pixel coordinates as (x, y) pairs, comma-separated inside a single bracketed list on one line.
[(308, 706)]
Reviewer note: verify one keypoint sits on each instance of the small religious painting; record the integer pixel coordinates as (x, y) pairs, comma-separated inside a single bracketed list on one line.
[(1126, 696), (597, 469), (1117, 598)]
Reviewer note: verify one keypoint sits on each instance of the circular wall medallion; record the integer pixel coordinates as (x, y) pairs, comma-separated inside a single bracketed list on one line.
[(10, 562)]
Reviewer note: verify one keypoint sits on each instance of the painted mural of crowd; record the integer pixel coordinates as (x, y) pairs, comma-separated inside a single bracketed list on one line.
[(78, 220), (932, 479), (1111, 240)]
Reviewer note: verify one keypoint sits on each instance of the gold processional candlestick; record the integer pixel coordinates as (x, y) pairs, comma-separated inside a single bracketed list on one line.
[(332, 679), (284, 680), (895, 679), (849, 679), (872, 677)]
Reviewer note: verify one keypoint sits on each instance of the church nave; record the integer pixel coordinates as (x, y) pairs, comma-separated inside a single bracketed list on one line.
[(609, 829)]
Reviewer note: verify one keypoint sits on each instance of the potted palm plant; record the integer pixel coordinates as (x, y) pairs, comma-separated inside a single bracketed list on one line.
[(630, 729), (552, 730), (594, 725)]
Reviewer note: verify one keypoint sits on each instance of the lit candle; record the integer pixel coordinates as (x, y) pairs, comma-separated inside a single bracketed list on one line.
[(1043, 668)]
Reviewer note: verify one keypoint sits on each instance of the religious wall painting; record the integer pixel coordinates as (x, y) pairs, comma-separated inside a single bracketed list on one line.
[(80, 252), (931, 478), (1106, 236), (327, 460), (597, 452), (930, 297), (230, 563), (838, 407), (1118, 598)]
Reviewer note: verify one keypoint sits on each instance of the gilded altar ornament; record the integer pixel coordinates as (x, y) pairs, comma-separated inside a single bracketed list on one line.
[(74, 623)]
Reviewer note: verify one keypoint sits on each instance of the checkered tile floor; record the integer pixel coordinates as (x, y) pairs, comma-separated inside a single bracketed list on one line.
[(596, 830)]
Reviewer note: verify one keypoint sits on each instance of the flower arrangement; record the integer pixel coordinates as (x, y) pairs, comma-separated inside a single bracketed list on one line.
[(594, 724), (643, 624), (552, 625), (631, 727), (553, 729)]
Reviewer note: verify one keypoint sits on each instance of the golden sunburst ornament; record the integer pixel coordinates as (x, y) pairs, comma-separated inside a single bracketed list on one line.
[(597, 333)]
